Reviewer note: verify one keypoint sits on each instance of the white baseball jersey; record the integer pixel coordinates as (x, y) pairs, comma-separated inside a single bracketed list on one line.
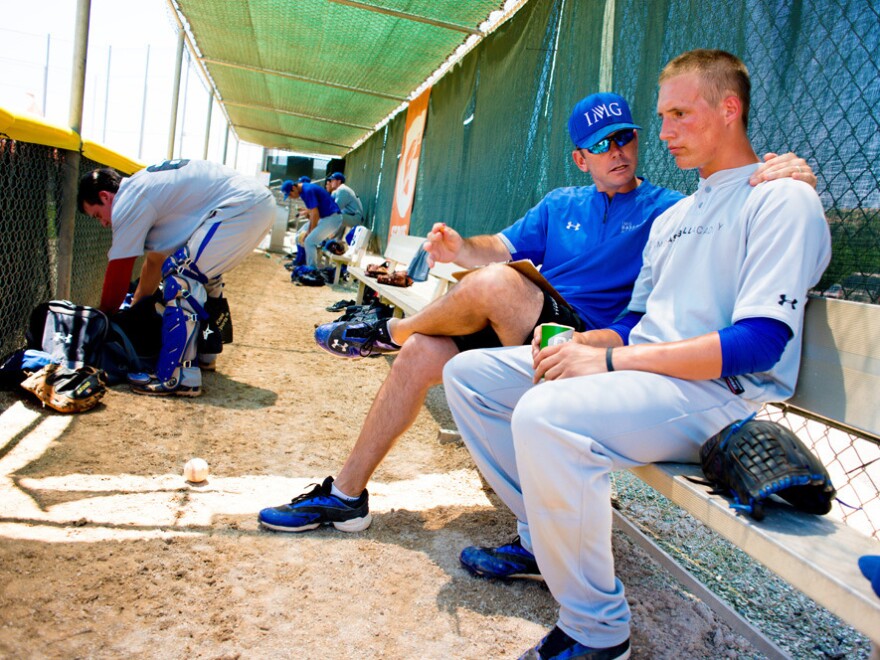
[(347, 200), (159, 208), (764, 247)]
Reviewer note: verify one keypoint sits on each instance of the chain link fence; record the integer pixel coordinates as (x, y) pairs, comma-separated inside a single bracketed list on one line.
[(91, 242), (30, 201), (30, 181)]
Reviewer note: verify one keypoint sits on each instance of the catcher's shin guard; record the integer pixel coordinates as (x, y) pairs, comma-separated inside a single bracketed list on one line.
[(180, 325)]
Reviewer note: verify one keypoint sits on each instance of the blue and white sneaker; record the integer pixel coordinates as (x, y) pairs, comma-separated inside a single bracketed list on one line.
[(319, 507), (559, 646), (355, 340), (143, 383), (507, 562)]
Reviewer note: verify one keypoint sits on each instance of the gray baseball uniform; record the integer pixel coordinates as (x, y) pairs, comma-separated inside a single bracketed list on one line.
[(727, 252)]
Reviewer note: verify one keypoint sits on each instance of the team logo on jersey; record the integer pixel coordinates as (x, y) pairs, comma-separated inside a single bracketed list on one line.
[(695, 230), (783, 300), (573, 225)]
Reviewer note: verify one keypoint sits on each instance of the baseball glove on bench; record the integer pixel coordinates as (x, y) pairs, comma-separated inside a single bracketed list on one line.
[(67, 390), (374, 270), (397, 278), (751, 460)]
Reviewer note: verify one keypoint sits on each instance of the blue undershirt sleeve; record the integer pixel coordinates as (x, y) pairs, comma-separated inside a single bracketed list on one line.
[(752, 345), (623, 325)]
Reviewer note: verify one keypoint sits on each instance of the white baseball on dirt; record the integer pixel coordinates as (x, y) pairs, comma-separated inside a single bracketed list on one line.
[(195, 470)]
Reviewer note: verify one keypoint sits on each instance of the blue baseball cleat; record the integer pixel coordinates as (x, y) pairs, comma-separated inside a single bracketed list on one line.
[(319, 507), (355, 340), (506, 562), (559, 646)]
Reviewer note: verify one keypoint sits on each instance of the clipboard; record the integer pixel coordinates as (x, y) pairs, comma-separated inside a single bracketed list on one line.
[(526, 268)]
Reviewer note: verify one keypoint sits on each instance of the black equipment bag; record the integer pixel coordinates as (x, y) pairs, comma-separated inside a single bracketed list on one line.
[(73, 335)]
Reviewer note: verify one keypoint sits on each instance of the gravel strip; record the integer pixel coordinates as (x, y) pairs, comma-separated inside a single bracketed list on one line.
[(793, 621)]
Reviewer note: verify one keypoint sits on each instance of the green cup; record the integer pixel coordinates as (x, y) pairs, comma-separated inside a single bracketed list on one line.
[(555, 333)]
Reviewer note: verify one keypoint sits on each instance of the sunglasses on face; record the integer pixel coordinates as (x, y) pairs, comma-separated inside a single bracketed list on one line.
[(621, 139)]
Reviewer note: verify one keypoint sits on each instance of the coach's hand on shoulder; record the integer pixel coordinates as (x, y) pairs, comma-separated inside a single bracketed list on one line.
[(780, 167)]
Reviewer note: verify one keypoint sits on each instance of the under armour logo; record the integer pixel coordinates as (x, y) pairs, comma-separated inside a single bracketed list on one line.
[(207, 332), (341, 345), (783, 300), (573, 225), (64, 339)]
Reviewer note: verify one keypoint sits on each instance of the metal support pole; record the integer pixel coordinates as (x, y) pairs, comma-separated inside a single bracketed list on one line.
[(606, 62), (144, 105), (70, 168), (46, 73), (225, 144), (106, 95), (208, 124), (183, 109), (175, 94)]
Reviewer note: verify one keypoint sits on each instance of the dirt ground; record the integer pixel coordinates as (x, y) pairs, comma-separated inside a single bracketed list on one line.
[(106, 552)]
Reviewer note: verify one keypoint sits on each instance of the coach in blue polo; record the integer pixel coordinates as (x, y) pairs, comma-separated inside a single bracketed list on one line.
[(325, 218)]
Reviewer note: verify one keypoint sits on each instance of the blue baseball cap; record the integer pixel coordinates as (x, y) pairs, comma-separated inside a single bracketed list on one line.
[(598, 116), (304, 179), (337, 176), (286, 187)]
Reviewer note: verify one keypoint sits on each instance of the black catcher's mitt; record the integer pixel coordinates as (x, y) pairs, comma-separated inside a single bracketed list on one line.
[(751, 460), (67, 390)]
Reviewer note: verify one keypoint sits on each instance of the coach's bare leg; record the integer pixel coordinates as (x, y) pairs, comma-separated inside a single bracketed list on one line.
[(417, 368), (497, 295)]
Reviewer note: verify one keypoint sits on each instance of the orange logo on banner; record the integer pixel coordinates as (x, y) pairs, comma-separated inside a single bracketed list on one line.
[(405, 187)]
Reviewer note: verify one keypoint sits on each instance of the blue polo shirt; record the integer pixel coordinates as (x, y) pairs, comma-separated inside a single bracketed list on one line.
[(313, 195), (590, 247)]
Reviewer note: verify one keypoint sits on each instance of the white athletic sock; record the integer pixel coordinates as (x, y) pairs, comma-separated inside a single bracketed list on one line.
[(388, 332), (342, 496)]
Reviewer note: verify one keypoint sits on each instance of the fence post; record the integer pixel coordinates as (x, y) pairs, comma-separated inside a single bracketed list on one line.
[(225, 143), (208, 123), (606, 64), (175, 93), (70, 169)]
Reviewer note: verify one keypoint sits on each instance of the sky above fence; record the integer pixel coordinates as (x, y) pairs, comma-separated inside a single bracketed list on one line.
[(132, 43)]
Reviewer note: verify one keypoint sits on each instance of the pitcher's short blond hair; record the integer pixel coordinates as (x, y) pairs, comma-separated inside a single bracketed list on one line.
[(721, 74)]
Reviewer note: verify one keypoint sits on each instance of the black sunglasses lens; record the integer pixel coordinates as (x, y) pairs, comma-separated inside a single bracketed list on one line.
[(623, 138)]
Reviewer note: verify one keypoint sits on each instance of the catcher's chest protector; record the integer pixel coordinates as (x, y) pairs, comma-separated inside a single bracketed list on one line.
[(72, 334)]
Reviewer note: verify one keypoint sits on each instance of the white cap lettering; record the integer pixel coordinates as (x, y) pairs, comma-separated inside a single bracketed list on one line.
[(601, 111)]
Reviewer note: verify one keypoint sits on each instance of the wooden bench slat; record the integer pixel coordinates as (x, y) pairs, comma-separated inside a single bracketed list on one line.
[(407, 300), (840, 365), (401, 249)]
